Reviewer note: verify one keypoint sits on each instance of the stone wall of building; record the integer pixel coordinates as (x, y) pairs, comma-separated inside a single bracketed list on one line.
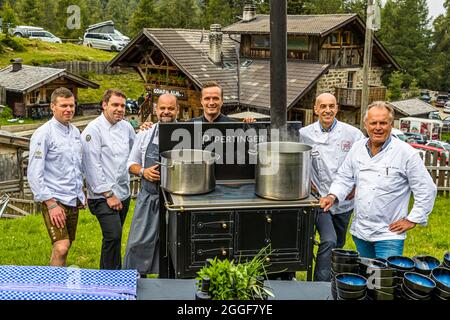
[(339, 78)]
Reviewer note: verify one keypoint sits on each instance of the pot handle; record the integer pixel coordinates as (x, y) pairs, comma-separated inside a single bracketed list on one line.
[(315, 154), (164, 165)]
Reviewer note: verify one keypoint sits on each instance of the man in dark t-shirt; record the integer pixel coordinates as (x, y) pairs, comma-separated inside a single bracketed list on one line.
[(212, 101)]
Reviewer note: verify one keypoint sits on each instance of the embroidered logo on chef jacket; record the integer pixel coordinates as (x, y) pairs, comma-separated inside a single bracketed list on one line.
[(38, 154), (346, 145)]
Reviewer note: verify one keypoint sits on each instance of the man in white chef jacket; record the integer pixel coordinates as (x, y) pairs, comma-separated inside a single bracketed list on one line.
[(331, 140), (55, 174), (107, 142), (385, 170)]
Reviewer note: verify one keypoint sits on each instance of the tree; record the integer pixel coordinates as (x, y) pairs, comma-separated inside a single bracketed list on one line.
[(395, 86), (144, 17), (9, 19), (181, 14), (440, 68), (116, 11), (28, 12), (406, 34), (217, 11)]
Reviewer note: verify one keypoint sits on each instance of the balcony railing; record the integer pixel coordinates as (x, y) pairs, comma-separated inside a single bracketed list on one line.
[(352, 97)]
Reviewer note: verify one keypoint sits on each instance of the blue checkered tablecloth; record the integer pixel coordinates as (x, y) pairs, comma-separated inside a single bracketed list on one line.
[(59, 283)]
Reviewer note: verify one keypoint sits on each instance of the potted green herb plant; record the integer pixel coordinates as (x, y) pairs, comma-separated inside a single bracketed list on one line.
[(230, 280)]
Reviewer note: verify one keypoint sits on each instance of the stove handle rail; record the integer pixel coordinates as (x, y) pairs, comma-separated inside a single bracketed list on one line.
[(224, 224)]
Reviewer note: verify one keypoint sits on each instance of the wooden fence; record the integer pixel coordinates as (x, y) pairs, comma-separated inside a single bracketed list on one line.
[(22, 204), (2, 96), (84, 67), (439, 169)]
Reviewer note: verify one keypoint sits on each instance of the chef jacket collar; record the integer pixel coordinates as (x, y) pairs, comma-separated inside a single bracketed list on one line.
[(385, 145), (60, 126), (330, 128)]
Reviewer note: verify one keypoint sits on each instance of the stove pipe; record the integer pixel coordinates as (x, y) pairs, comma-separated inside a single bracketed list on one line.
[(278, 63)]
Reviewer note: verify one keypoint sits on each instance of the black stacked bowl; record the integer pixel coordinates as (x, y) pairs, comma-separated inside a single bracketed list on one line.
[(351, 286), (446, 262), (441, 276), (381, 280), (425, 264), (400, 264), (342, 261), (417, 286)]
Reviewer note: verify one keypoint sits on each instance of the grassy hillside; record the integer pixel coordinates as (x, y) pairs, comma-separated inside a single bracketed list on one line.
[(36, 52), (130, 83)]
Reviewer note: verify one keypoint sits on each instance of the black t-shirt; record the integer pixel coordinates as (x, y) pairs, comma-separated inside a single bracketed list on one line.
[(220, 118)]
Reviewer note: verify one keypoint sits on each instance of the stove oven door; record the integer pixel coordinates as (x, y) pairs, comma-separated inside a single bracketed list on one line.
[(288, 231)]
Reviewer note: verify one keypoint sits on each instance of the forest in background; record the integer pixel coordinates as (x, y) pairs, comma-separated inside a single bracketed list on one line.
[(421, 46)]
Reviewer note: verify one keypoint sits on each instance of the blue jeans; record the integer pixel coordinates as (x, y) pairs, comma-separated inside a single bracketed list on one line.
[(379, 249), (332, 231)]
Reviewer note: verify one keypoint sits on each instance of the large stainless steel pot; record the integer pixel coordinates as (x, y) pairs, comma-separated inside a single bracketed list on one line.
[(283, 170), (188, 171)]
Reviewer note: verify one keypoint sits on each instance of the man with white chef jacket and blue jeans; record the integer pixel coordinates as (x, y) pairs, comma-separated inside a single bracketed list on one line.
[(331, 140), (107, 142), (385, 170)]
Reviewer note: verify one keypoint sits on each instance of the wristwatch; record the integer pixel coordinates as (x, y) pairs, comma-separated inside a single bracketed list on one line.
[(141, 172), (109, 194)]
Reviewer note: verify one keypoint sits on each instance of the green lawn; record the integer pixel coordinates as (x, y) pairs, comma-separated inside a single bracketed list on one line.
[(36, 52), (434, 239), (25, 241)]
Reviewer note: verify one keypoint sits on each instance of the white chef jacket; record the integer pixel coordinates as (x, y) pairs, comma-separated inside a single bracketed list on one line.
[(139, 150), (106, 148), (54, 165), (383, 189), (332, 148)]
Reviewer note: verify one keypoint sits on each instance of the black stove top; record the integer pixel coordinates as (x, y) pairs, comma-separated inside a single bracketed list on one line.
[(232, 194)]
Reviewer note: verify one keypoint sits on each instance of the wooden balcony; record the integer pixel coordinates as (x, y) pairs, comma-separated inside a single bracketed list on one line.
[(352, 97), (341, 57)]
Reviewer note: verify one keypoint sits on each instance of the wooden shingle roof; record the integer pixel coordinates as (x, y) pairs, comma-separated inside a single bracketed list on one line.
[(412, 107), (29, 78), (296, 24), (188, 50)]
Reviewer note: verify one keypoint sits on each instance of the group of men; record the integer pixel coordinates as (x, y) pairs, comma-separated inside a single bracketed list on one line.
[(105, 153), (372, 177)]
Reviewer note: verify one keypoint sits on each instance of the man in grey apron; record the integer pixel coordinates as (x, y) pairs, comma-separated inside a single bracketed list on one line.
[(142, 252)]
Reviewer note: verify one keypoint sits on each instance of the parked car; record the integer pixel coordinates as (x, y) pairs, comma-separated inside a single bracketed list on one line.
[(104, 41), (24, 31), (434, 115), (425, 96), (400, 135), (446, 121), (123, 37), (447, 107), (441, 100), (439, 144), (433, 150), (44, 36), (417, 137)]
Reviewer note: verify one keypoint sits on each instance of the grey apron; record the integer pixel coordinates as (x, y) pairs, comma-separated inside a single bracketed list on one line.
[(142, 252)]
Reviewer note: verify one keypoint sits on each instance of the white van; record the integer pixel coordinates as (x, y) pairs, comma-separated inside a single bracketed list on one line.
[(104, 41), (44, 36)]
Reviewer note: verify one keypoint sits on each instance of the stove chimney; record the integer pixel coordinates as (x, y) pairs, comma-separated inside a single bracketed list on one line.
[(278, 66), (215, 43), (249, 13), (16, 64)]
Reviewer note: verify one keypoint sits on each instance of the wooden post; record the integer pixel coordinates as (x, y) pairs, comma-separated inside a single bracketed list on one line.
[(366, 63)]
